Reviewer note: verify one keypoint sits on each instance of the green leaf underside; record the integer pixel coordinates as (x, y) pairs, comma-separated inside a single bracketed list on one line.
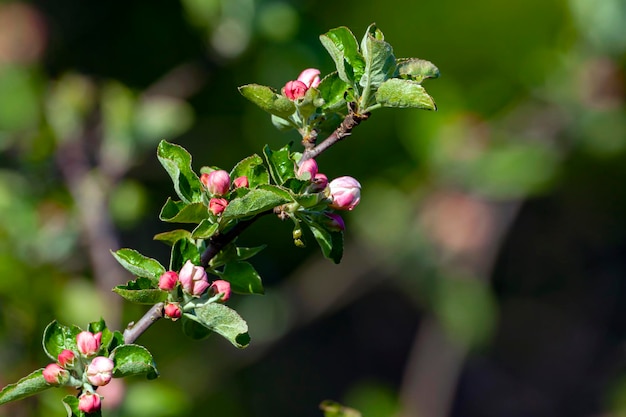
[(138, 264), (404, 93), (25, 387), (177, 162), (255, 202), (205, 230), (416, 69), (243, 278), (173, 236), (281, 165), (141, 291), (57, 337), (380, 63), (133, 360), (181, 212), (268, 100), (331, 242), (223, 321), (343, 48), (253, 168)]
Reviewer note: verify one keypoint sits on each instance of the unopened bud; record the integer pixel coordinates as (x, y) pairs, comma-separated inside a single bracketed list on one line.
[(308, 170), (217, 205), (345, 193), (100, 371), (89, 402), (88, 343), (221, 287), (217, 182), (55, 374), (241, 182), (66, 358), (173, 311), (193, 279), (310, 77), (320, 182), (294, 90), (335, 222), (168, 280)]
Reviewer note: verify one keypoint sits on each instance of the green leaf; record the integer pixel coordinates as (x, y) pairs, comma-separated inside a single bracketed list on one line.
[(416, 69), (193, 329), (330, 241), (282, 124), (97, 326), (255, 202), (344, 50), (268, 100), (404, 93), (380, 63), (232, 253), (177, 162), (133, 360), (243, 278), (281, 165), (253, 168), (223, 321), (173, 236), (57, 337), (182, 251), (25, 387), (139, 265), (333, 89), (71, 406), (141, 291), (205, 230), (181, 212)]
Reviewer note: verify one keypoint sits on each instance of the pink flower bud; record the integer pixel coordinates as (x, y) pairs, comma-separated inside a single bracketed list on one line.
[(167, 281), (320, 182), (221, 287), (55, 375), (241, 182), (193, 279), (335, 222), (294, 90), (173, 311), (88, 343), (308, 167), (89, 403), (100, 371), (345, 193), (217, 182), (310, 77), (217, 205), (66, 358)]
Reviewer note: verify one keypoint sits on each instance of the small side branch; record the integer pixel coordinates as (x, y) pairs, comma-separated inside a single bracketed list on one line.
[(134, 330)]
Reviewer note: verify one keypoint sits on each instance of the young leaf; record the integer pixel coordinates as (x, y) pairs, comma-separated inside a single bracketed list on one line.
[(268, 100), (243, 278), (232, 253), (255, 202), (330, 241), (380, 63), (404, 93), (177, 162), (281, 165), (57, 337), (333, 89), (182, 251), (223, 321), (344, 50), (141, 291), (204, 230), (416, 69), (181, 212), (173, 236), (132, 360), (253, 168), (25, 387), (139, 265)]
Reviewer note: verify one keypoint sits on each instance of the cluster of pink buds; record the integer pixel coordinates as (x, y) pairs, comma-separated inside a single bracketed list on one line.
[(345, 192), (218, 184), (82, 368), (309, 78)]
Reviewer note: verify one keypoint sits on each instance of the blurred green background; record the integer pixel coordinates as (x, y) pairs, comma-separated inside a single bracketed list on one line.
[(485, 268)]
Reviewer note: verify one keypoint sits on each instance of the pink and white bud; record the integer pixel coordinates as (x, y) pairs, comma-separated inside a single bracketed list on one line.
[(100, 371), (335, 222), (310, 77), (173, 311), (88, 343), (320, 182), (308, 170), (168, 280), (217, 182), (217, 205), (294, 90), (193, 279), (55, 374), (345, 193), (241, 182), (221, 287), (66, 358), (89, 402)]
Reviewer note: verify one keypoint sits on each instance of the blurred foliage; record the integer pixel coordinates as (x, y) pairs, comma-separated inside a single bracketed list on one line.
[(531, 125)]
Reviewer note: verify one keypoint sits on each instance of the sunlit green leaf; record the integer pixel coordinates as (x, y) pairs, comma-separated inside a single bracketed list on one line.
[(181, 212), (343, 48), (223, 321), (243, 278), (173, 236), (205, 230), (404, 93), (253, 168), (57, 337), (232, 253), (182, 251), (132, 360), (380, 63), (282, 167), (139, 265), (27, 386), (177, 162), (416, 69), (255, 202), (141, 291), (333, 89), (268, 100)]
